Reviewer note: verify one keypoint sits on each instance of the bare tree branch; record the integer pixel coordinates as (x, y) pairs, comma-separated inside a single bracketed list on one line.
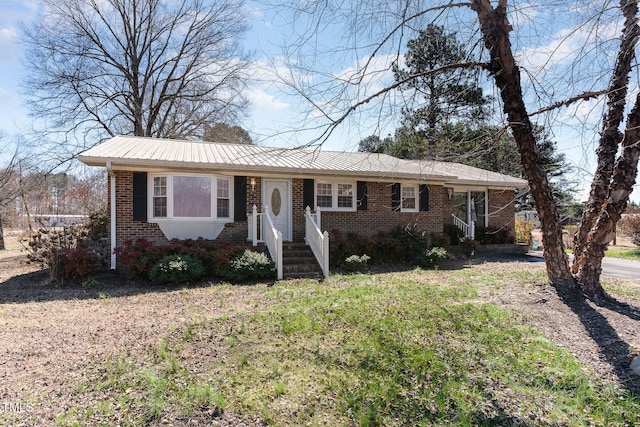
[(140, 67)]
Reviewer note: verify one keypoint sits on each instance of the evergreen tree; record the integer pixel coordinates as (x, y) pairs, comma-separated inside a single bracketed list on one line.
[(443, 98)]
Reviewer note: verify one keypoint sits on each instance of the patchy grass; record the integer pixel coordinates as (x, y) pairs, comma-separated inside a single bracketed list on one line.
[(625, 253), (415, 348)]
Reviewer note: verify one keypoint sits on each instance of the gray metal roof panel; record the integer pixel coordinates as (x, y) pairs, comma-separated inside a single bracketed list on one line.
[(127, 150)]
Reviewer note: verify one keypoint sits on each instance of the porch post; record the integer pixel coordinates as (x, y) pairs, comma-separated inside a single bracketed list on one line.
[(254, 225), (112, 232)]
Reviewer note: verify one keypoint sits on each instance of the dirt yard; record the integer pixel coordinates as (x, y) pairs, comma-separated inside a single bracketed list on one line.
[(50, 336)]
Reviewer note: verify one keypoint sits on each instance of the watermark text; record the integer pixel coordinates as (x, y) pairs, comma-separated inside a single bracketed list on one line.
[(6, 406)]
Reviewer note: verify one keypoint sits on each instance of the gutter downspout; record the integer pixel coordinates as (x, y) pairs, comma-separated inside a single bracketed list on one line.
[(112, 215)]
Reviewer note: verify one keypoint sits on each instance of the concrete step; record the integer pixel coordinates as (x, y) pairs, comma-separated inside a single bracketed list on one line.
[(298, 261), (303, 275)]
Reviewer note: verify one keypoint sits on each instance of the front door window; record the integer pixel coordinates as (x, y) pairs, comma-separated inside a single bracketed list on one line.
[(277, 195), (471, 206)]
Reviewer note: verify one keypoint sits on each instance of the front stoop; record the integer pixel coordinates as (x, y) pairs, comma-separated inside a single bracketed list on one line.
[(298, 261)]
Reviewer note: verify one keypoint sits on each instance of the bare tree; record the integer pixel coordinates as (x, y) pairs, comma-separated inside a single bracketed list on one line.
[(137, 67), (487, 25), (8, 190)]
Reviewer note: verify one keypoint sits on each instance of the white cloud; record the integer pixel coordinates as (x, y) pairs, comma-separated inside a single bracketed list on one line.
[(522, 14), (261, 100), (8, 43)]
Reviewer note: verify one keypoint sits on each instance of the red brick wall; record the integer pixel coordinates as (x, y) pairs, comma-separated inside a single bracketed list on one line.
[(126, 227), (378, 217), (237, 232), (298, 209), (502, 209)]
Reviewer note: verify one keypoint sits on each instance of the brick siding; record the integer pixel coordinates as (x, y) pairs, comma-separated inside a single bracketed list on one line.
[(378, 217), (126, 227), (502, 209), (381, 217)]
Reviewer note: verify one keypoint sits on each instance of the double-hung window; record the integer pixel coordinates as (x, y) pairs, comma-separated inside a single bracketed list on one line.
[(160, 196), (335, 195), (345, 196), (191, 196), (409, 200), (324, 195), (223, 200)]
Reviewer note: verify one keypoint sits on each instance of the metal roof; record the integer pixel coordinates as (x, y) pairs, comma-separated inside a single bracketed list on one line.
[(127, 151)]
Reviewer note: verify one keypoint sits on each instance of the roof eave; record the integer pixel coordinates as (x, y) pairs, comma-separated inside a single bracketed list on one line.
[(145, 163)]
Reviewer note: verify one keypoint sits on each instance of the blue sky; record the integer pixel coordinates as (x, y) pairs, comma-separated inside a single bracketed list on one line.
[(546, 42)]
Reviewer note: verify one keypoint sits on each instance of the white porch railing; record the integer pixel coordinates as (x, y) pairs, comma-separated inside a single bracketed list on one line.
[(469, 230), (266, 233), (317, 241)]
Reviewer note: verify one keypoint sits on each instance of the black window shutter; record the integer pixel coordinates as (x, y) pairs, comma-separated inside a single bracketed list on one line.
[(308, 194), (239, 198), (362, 195), (424, 197), (395, 196), (139, 196)]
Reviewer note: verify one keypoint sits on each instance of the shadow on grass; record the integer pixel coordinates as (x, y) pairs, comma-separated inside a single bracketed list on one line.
[(34, 287), (615, 351)]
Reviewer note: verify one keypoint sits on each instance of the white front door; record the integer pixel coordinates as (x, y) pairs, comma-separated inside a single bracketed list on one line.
[(277, 195)]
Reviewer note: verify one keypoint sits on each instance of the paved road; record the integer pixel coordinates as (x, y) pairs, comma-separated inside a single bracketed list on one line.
[(615, 268)]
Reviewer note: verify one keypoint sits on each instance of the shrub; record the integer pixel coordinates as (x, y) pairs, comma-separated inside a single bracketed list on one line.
[(399, 245), (523, 231), (49, 248), (139, 257), (431, 258), (356, 263), (97, 225), (177, 269), (213, 254), (249, 265), (455, 234), (440, 240), (629, 225), (469, 246), (494, 236), (80, 263)]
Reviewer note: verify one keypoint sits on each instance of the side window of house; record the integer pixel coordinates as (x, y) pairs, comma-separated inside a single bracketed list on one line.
[(335, 195), (409, 198), (160, 196), (223, 198), (324, 195), (345, 195)]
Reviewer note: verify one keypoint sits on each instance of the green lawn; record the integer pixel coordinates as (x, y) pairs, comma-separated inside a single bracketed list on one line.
[(626, 253), (368, 350)]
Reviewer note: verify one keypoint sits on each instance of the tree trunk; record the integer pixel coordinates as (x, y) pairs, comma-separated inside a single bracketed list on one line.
[(495, 30), (2, 247), (611, 137), (624, 178)]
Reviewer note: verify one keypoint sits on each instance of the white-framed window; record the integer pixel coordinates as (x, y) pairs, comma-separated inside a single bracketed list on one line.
[(223, 202), (409, 198), (324, 195), (190, 196), (345, 196), (159, 203), (336, 195), (471, 205)]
